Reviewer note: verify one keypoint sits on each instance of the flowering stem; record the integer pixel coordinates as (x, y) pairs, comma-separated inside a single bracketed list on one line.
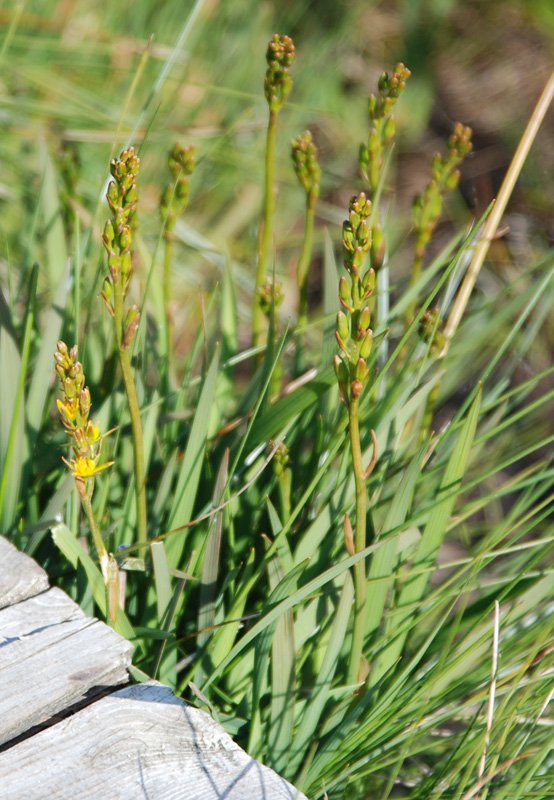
[(308, 172), (266, 232), (173, 203), (277, 86), (134, 411), (359, 544), (168, 253), (302, 279), (85, 487)]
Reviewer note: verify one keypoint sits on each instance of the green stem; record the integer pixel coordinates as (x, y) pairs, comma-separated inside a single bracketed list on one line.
[(284, 483), (85, 490), (416, 272), (134, 410), (168, 252), (266, 232), (359, 544), (86, 494), (302, 275)]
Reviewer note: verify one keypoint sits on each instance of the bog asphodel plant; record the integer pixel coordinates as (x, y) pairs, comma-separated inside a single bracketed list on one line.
[(173, 203), (122, 196), (74, 410), (277, 87), (86, 443), (353, 333), (355, 337)]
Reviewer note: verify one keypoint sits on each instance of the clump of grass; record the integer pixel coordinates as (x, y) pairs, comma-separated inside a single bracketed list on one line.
[(314, 604)]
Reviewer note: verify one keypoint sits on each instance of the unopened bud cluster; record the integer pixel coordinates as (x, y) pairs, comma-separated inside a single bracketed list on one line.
[(430, 332), (281, 459), (383, 125), (278, 83), (445, 176), (270, 292), (354, 336), (122, 196), (308, 171), (74, 410), (174, 201)]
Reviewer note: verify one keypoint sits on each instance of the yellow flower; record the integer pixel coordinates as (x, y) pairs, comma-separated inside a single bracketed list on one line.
[(68, 410), (85, 467)]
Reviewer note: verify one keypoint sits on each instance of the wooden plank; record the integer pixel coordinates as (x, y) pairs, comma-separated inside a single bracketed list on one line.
[(51, 657), (141, 741), (20, 576)]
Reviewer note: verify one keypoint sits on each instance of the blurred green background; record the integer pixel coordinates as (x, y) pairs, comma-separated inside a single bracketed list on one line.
[(96, 78)]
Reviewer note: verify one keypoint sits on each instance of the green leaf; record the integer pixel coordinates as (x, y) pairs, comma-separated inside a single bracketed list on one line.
[(294, 599), (210, 571), (13, 370), (189, 475), (74, 551), (313, 710), (384, 560), (431, 540)]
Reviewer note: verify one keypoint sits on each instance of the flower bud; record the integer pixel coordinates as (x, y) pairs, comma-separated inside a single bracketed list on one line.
[(371, 105), (130, 332), (364, 348), (342, 326), (389, 130), (341, 370), (358, 260), (452, 181), (109, 234), (348, 236), (364, 319), (361, 370), (69, 389), (368, 282), (363, 234), (113, 194), (344, 290), (131, 314), (125, 237), (84, 402)]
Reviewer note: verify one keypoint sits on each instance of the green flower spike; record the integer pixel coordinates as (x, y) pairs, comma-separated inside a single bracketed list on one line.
[(278, 82), (383, 125), (173, 204), (445, 176), (308, 172), (122, 196), (277, 86), (354, 337)]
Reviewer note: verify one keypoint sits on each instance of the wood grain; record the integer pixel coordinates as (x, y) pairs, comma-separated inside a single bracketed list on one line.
[(140, 742), (51, 657), (20, 576)]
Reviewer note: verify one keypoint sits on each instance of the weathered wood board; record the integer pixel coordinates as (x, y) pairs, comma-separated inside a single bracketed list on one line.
[(20, 576), (140, 742), (51, 657)]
